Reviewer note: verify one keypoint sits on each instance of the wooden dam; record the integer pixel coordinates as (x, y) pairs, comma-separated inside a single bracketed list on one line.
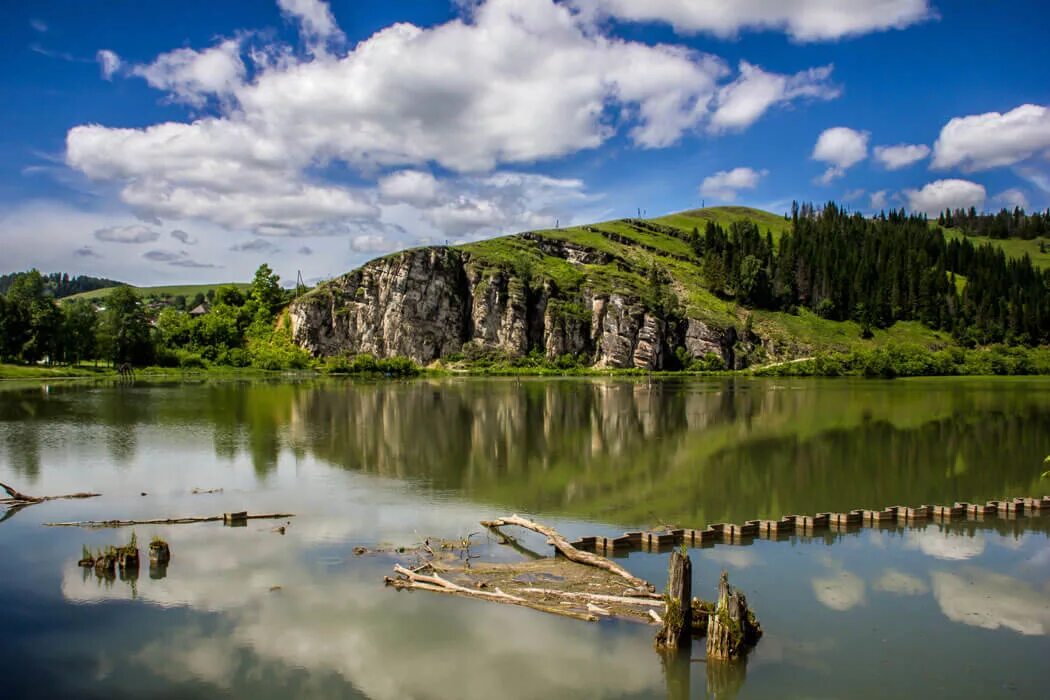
[(731, 533)]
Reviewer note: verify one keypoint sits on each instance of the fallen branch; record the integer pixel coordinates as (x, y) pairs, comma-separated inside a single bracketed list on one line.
[(570, 552), (597, 597), (167, 521), (18, 498), (413, 580)]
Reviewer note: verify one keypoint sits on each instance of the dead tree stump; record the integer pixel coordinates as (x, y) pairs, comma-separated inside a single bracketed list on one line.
[(677, 629), (732, 629)]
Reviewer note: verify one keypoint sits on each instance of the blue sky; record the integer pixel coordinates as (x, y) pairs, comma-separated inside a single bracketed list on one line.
[(169, 142)]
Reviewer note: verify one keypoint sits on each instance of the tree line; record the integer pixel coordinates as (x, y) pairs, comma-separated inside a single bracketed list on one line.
[(1004, 224), (60, 284), (893, 267), (239, 329)]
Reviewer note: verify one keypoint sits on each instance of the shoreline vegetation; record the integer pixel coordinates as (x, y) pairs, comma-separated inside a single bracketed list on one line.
[(880, 363)]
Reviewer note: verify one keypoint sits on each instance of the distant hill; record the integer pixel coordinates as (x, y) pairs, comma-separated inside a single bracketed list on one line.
[(62, 284), (165, 291)]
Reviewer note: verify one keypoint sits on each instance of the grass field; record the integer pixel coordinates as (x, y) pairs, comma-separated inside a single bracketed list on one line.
[(186, 290), (1013, 247)]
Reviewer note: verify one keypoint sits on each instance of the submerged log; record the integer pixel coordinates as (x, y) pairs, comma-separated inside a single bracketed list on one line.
[(167, 521), (677, 629), (570, 552), (17, 498), (732, 629)]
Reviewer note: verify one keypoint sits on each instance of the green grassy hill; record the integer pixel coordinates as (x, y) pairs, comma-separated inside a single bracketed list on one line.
[(620, 255), (162, 292), (1013, 247)]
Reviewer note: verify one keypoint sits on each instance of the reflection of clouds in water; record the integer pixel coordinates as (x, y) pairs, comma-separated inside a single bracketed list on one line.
[(893, 581), (941, 544), (986, 599), (387, 644), (840, 590), (738, 558)]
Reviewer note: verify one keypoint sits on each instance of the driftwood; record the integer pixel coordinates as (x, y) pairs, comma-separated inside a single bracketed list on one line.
[(732, 629), (678, 623), (172, 521), (562, 545), (17, 498), (597, 597), (412, 579)]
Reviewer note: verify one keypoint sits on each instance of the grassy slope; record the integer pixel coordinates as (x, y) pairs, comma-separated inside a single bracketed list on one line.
[(799, 334), (1013, 247), (186, 290)]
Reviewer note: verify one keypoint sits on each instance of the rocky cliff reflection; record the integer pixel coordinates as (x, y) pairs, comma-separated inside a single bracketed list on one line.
[(628, 452)]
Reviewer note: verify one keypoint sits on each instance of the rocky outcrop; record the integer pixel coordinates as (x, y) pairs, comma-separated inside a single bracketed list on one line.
[(429, 303)]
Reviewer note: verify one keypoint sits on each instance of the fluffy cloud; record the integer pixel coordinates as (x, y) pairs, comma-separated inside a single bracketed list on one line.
[(192, 76), (134, 233), (840, 147), (991, 140), (901, 156), (879, 199), (803, 20), (108, 62), (1013, 197), (512, 81), (946, 194), (725, 183), (409, 186), (740, 103)]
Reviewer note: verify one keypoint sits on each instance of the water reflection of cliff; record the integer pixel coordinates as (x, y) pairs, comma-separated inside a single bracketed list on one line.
[(618, 451), (694, 453)]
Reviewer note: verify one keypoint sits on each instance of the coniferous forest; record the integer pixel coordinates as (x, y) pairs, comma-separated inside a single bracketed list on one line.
[(876, 271)]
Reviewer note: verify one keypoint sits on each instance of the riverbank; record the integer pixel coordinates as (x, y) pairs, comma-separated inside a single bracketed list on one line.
[(885, 363)]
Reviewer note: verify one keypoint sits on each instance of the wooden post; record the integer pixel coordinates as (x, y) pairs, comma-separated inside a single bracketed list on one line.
[(733, 628), (678, 617)]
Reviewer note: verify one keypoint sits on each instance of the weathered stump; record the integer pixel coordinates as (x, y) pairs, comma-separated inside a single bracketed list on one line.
[(732, 629), (159, 553), (677, 630)]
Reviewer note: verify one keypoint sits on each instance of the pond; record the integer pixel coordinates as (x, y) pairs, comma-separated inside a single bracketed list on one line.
[(960, 609)]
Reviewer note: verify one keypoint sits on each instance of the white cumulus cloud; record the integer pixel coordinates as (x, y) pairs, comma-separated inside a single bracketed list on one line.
[(803, 20), (409, 186), (901, 156), (509, 82), (991, 140), (726, 183), (879, 199), (192, 76), (740, 103), (840, 147), (939, 195)]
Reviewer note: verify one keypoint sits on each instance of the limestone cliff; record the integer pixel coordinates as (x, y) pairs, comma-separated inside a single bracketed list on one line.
[(429, 303)]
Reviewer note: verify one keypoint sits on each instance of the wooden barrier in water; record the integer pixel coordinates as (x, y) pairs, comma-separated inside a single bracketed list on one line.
[(891, 516)]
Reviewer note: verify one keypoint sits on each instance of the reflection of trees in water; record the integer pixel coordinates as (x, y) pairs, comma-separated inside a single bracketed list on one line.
[(962, 457), (621, 451), (692, 454)]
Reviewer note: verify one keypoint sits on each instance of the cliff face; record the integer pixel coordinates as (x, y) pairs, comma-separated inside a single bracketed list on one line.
[(430, 302)]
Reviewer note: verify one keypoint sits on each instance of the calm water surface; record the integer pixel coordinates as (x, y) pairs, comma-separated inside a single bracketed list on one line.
[(936, 611)]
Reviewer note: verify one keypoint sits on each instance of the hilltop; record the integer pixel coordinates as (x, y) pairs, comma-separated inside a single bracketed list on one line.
[(670, 292)]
